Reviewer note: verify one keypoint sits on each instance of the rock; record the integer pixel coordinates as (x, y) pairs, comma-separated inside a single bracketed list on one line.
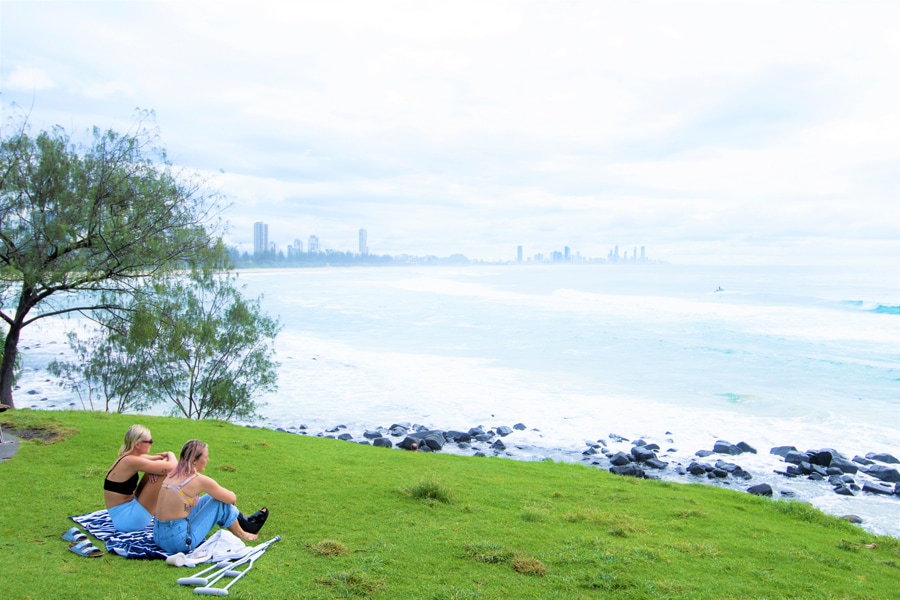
[(745, 447), (883, 473), (504, 431), (407, 443), (703, 453), (498, 446), (742, 474), (882, 457), (698, 469), (476, 431), (519, 427), (345, 437), (382, 442), (371, 435), (726, 466), (795, 457), (617, 438), (878, 487), (843, 490), (435, 440), (760, 489), (853, 518), (844, 465), (863, 461), (820, 458), (641, 454), (457, 436), (655, 463), (723, 447), (620, 459), (782, 451), (631, 470)]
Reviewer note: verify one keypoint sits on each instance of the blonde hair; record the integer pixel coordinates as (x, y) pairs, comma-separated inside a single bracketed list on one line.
[(134, 435), (190, 452)]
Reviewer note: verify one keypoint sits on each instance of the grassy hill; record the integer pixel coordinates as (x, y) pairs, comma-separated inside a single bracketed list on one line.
[(364, 522)]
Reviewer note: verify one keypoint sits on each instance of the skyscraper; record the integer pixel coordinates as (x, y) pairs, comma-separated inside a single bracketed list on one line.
[(313, 244), (363, 246), (260, 237)]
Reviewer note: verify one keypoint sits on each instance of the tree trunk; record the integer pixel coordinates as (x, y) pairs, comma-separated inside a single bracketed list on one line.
[(8, 365)]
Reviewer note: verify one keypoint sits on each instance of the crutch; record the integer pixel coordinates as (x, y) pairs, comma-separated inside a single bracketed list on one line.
[(218, 570), (248, 560), (195, 579)]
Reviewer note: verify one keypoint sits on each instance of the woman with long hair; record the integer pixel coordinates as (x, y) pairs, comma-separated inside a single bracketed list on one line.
[(190, 504), (131, 498)]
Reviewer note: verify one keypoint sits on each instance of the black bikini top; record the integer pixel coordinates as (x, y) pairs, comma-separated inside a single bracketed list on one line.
[(125, 488)]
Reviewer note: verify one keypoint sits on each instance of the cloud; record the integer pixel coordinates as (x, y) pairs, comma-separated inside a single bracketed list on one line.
[(27, 79), (473, 127)]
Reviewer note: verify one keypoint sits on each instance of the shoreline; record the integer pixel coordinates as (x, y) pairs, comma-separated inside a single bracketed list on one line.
[(733, 466)]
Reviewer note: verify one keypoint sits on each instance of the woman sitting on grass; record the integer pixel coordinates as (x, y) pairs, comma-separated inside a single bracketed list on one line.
[(183, 516), (131, 499)]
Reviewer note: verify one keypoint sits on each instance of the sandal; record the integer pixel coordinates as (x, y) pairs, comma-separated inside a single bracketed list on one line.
[(254, 522), (86, 548), (74, 535)]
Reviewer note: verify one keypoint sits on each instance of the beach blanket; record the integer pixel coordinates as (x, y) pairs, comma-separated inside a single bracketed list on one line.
[(136, 544)]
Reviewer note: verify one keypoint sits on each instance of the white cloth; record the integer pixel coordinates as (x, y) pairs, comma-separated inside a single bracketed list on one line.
[(222, 545)]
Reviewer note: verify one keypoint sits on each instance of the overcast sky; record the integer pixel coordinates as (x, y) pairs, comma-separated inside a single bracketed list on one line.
[(725, 131)]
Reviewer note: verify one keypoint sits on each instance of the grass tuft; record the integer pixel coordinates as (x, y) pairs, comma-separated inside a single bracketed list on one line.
[(329, 548), (486, 552), (431, 490), (354, 583), (528, 565)]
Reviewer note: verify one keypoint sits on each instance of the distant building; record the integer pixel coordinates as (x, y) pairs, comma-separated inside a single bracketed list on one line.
[(363, 246), (519, 254), (260, 237), (313, 244)]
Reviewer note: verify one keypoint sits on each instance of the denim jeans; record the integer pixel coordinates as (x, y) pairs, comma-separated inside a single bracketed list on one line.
[(131, 516), (183, 535)]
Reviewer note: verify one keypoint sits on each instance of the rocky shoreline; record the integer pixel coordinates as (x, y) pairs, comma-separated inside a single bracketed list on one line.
[(875, 474)]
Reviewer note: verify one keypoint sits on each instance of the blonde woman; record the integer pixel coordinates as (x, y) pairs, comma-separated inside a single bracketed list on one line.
[(190, 504), (130, 498)]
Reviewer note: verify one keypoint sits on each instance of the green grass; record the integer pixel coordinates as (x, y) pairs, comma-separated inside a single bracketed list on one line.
[(363, 522)]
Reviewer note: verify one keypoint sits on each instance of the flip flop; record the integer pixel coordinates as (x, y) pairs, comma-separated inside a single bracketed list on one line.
[(86, 548), (74, 535), (254, 522)]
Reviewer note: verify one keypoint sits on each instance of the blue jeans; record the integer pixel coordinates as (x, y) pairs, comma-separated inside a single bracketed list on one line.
[(183, 535), (131, 516)]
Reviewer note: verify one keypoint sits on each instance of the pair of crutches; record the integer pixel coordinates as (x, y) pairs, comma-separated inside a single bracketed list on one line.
[(225, 568)]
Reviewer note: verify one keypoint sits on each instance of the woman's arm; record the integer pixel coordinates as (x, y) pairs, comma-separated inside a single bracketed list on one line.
[(209, 485), (160, 464)]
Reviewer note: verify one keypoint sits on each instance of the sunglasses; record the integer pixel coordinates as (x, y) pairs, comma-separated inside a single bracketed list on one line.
[(146, 441)]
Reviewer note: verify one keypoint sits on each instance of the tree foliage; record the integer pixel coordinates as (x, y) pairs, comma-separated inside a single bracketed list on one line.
[(193, 343), (83, 226)]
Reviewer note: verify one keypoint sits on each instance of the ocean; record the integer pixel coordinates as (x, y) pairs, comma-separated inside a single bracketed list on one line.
[(681, 356)]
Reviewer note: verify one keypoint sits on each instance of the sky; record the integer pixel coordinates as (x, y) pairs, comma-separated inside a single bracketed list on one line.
[(726, 132)]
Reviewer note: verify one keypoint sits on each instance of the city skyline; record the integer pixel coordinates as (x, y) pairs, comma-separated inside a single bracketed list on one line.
[(565, 255)]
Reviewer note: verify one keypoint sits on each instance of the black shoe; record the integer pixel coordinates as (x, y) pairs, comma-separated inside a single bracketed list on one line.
[(254, 522)]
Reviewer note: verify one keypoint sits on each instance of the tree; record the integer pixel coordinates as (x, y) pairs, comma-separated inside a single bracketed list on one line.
[(82, 227), (194, 343), (209, 350)]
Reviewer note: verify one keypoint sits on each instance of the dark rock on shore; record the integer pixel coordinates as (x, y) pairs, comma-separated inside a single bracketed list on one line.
[(760, 489), (883, 457), (883, 473)]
